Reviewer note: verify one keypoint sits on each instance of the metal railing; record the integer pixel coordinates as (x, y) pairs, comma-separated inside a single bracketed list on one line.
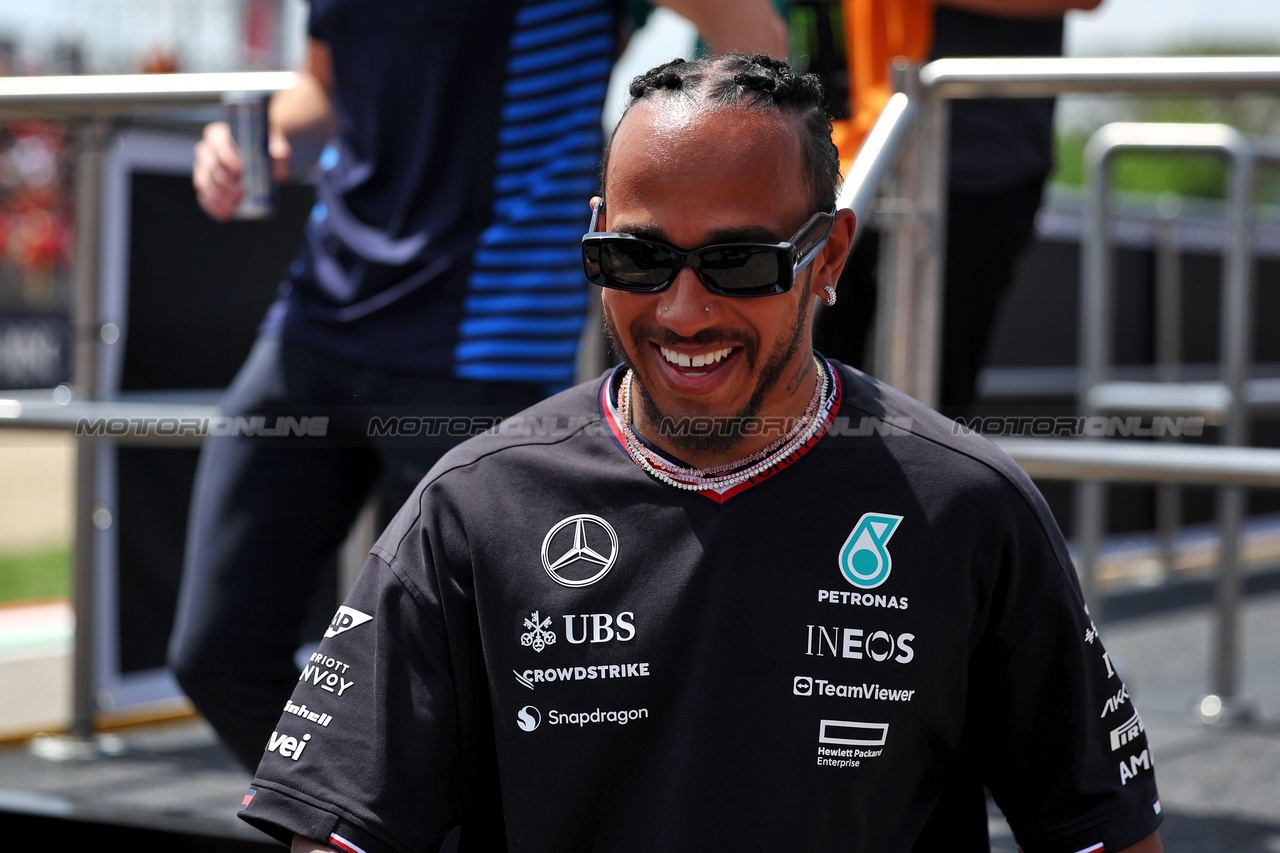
[(93, 106), (1224, 401), (900, 172), (909, 356)]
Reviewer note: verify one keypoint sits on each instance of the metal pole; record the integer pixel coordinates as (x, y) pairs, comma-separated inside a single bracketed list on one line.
[(931, 239), (90, 103), (1235, 349), (897, 269), (908, 312), (877, 156), (1122, 461), (1168, 357), (91, 140), (1039, 77), (1095, 353)]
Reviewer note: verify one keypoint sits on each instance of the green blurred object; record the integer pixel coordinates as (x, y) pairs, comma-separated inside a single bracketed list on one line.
[(1199, 175), (818, 47), (638, 11), (35, 575)]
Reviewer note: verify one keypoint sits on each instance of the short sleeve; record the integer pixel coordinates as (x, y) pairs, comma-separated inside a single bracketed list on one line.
[(1062, 746), (375, 747)]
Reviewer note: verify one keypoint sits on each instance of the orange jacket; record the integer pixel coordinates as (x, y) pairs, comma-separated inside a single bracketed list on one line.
[(875, 32)]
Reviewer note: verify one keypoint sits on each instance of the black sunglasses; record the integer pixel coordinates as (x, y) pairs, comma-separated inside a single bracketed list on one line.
[(623, 262)]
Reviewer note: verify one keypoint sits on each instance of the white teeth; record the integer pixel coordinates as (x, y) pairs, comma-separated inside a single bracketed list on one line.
[(700, 360)]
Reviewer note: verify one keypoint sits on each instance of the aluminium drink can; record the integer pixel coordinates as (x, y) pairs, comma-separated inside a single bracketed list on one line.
[(247, 116)]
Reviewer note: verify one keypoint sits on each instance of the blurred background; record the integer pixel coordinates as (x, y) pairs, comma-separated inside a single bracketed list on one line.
[(1159, 589)]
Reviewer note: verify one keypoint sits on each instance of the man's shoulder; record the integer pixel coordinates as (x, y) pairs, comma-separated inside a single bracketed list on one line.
[(468, 474), (945, 460), (872, 408), (866, 397), (547, 423)]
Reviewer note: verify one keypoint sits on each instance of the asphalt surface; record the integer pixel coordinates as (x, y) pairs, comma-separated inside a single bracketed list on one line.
[(1219, 784)]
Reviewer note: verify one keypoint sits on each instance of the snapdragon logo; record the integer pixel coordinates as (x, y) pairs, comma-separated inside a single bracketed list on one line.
[(586, 718), (528, 718)]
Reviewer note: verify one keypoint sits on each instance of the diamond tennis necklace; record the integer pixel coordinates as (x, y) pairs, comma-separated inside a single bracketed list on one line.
[(698, 479)]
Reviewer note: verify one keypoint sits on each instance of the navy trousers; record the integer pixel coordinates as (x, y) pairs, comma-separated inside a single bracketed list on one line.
[(269, 513)]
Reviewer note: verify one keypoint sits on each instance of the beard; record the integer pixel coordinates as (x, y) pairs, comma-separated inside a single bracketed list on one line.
[(723, 433)]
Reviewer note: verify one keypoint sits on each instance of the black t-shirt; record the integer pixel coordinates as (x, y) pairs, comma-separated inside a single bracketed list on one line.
[(997, 143), (559, 652)]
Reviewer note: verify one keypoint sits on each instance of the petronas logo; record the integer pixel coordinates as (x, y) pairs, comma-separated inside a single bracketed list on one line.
[(864, 559)]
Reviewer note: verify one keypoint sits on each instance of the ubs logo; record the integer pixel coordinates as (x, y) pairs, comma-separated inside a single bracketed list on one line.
[(579, 550)]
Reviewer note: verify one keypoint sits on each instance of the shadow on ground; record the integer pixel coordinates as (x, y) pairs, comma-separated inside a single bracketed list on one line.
[(1184, 833)]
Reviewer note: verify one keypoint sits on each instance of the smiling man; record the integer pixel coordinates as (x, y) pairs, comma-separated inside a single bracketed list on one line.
[(680, 180), (731, 596)]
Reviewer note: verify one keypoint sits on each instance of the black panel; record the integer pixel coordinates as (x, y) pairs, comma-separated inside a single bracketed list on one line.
[(198, 290)]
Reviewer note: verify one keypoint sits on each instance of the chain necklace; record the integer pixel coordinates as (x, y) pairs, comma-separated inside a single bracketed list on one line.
[(659, 461), (699, 479)]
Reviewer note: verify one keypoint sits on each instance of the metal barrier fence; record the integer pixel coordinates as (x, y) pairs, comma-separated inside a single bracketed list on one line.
[(900, 171), (92, 106), (908, 327)]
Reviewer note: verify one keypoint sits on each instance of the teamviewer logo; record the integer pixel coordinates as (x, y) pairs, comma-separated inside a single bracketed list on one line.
[(803, 686)]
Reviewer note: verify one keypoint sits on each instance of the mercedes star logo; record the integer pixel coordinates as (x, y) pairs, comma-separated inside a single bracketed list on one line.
[(579, 563)]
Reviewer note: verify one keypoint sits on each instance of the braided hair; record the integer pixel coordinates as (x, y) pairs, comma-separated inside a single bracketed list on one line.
[(753, 81)]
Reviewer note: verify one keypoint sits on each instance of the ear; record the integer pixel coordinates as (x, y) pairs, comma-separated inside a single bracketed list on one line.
[(830, 261)]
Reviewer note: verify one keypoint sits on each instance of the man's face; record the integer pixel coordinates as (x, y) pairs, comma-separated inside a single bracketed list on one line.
[(691, 177)]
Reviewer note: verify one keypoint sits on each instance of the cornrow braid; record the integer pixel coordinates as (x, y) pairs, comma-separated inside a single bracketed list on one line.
[(753, 81), (662, 77)]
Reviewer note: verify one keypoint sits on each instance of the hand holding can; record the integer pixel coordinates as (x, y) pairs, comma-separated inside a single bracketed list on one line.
[(247, 118)]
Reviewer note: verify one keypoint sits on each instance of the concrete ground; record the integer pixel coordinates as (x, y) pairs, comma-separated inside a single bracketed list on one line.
[(1219, 784), (37, 475)]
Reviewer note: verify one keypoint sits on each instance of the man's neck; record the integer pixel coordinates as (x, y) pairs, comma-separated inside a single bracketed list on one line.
[(711, 442)]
